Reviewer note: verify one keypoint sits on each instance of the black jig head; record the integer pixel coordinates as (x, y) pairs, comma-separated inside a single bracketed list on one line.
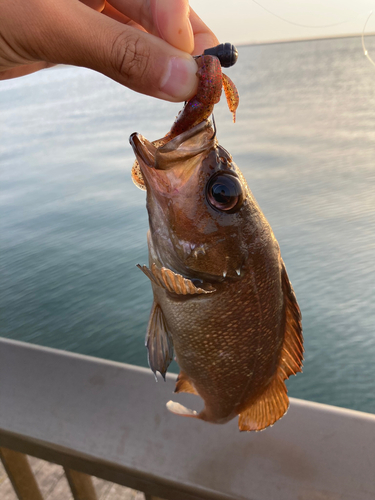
[(225, 52)]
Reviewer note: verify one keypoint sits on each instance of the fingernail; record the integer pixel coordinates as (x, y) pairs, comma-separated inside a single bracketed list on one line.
[(180, 79)]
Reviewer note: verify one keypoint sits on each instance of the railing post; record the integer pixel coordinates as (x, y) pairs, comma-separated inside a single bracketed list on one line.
[(81, 485), (20, 474)]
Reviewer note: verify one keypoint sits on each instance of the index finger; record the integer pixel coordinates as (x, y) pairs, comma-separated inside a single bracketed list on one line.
[(204, 38), (173, 21)]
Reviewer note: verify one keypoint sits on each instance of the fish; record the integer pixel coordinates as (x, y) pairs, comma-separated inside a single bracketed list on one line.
[(222, 300)]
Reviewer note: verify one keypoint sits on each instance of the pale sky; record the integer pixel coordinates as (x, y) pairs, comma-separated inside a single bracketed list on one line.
[(244, 21)]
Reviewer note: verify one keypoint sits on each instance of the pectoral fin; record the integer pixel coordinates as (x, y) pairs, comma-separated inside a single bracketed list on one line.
[(171, 281), (159, 342)]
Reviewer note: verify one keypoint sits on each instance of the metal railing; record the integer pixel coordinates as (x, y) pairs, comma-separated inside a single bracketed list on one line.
[(25, 484), (106, 419)]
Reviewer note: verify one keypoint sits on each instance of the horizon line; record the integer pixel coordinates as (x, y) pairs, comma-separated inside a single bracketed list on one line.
[(304, 39)]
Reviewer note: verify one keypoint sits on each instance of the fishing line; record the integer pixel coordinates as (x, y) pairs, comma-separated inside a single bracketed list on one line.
[(297, 24), (363, 40)]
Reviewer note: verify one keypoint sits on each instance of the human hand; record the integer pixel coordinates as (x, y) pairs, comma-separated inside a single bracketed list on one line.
[(142, 44)]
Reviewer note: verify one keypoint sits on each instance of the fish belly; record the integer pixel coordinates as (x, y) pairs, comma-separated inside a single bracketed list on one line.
[(228, 344)]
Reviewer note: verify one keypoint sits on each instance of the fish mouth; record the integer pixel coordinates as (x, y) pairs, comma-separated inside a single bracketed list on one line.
[(181, 155), (190, 143)]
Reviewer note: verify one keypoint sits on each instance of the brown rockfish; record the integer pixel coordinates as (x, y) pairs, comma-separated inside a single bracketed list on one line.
[(222, 297)]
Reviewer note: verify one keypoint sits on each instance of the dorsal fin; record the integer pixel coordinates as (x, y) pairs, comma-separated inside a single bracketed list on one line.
[(292, 351), (274, 402), (267, 409), (171, 281), (183, 384)]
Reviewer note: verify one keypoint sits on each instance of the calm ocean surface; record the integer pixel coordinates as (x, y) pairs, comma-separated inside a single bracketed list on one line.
[(73, 226)]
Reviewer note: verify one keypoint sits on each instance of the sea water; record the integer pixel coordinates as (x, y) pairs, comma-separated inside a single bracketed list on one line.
[(73, 226)]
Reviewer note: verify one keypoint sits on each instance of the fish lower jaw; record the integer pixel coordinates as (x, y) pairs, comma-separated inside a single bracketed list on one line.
[(209, 277)]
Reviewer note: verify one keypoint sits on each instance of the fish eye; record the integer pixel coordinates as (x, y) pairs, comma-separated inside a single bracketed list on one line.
[(224, 192)]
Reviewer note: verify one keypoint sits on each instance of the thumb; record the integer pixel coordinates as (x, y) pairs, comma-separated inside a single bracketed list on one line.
[(136, 59)]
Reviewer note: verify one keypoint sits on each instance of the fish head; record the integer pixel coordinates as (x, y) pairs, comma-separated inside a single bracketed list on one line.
[(200, 208)]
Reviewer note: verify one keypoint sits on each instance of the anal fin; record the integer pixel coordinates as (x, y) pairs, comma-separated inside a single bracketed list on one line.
[(184, 385), (158, 341)]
